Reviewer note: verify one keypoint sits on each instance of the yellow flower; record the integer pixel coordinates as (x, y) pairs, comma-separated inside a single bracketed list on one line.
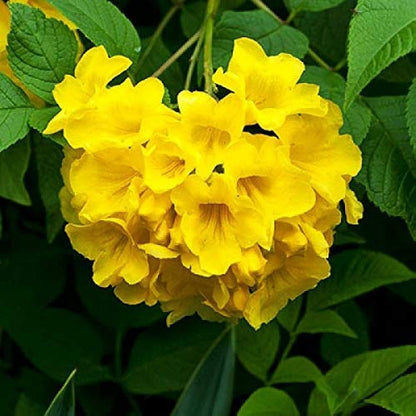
[(215, 223), (76, 94), (269, 84), (208, 127), (120, 250), (317, 148)]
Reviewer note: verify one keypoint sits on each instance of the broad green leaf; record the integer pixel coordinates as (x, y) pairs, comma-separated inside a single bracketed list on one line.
[(379, 369), (332, 86), (398, 397), (335, 348), (64, 402), (260, 26), (163, 359), (173, 77), (49, 157), (381, 32), (257, 349), (313, 5), (288, 317), (9, 395), (103, 306), (268, 401), (316, 322), (41, 51), (58, 340), (15, 110), (27, 407), (209, 391), (104, 24), (355, 272), (296, 370), (14, 162), (389, 165), (327, 31), (411, 114)]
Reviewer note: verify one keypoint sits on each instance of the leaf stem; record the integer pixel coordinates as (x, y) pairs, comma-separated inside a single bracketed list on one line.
[(194, 58), (340, 64), (267, 9), (319, 60), (291, 16), (156, 35), (212, 8), (177, 54)]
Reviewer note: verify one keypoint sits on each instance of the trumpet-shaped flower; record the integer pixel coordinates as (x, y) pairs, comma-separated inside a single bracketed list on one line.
[(269, 85)]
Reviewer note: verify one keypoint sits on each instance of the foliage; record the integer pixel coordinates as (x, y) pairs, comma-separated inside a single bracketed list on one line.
[(345, 348)]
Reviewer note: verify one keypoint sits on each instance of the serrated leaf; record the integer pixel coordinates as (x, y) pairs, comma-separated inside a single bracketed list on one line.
[(313, 5), (273, 36), (163, 360), (389, 164), (373, 46), (41, 117), (40, 50), (15, 110), (355, 272), (104, 24), (357, 118), (257, 349), (14, 162), (316, 322), (49, 157), (64, 402), (398, 397), (268, 401), (411, 114), (209, 391)]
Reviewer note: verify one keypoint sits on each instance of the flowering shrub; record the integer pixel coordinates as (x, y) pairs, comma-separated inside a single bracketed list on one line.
[(208, 171)]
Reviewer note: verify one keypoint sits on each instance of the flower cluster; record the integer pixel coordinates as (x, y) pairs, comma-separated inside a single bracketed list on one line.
[(225, 208)]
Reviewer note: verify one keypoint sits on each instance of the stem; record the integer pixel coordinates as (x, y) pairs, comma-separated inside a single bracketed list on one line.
[(177, 54), (291, 16), (194, 58), (157, 34), (319, 60), (267, 9), (212, 8), (340, 64), (288, 348)]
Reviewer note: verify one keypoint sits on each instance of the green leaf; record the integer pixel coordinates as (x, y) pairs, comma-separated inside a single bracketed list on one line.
[(257, 350), (15, 110), (58, 340), (40, 50), (411, 114), (64, 402), (389, 165), (357, 118), (8, 396), (260, 26), (49, 157), (268, 401), (163, 359), (327, 31), (192, 17), (398, 397), (313, 5), (335, 348), (355, 272), (14, 162), (103, 306), (316, 322), (401, 71), (41, 117), (373, 46), (104, 24), (296, 370), (209, 391), (288, 317), (27, 407)]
